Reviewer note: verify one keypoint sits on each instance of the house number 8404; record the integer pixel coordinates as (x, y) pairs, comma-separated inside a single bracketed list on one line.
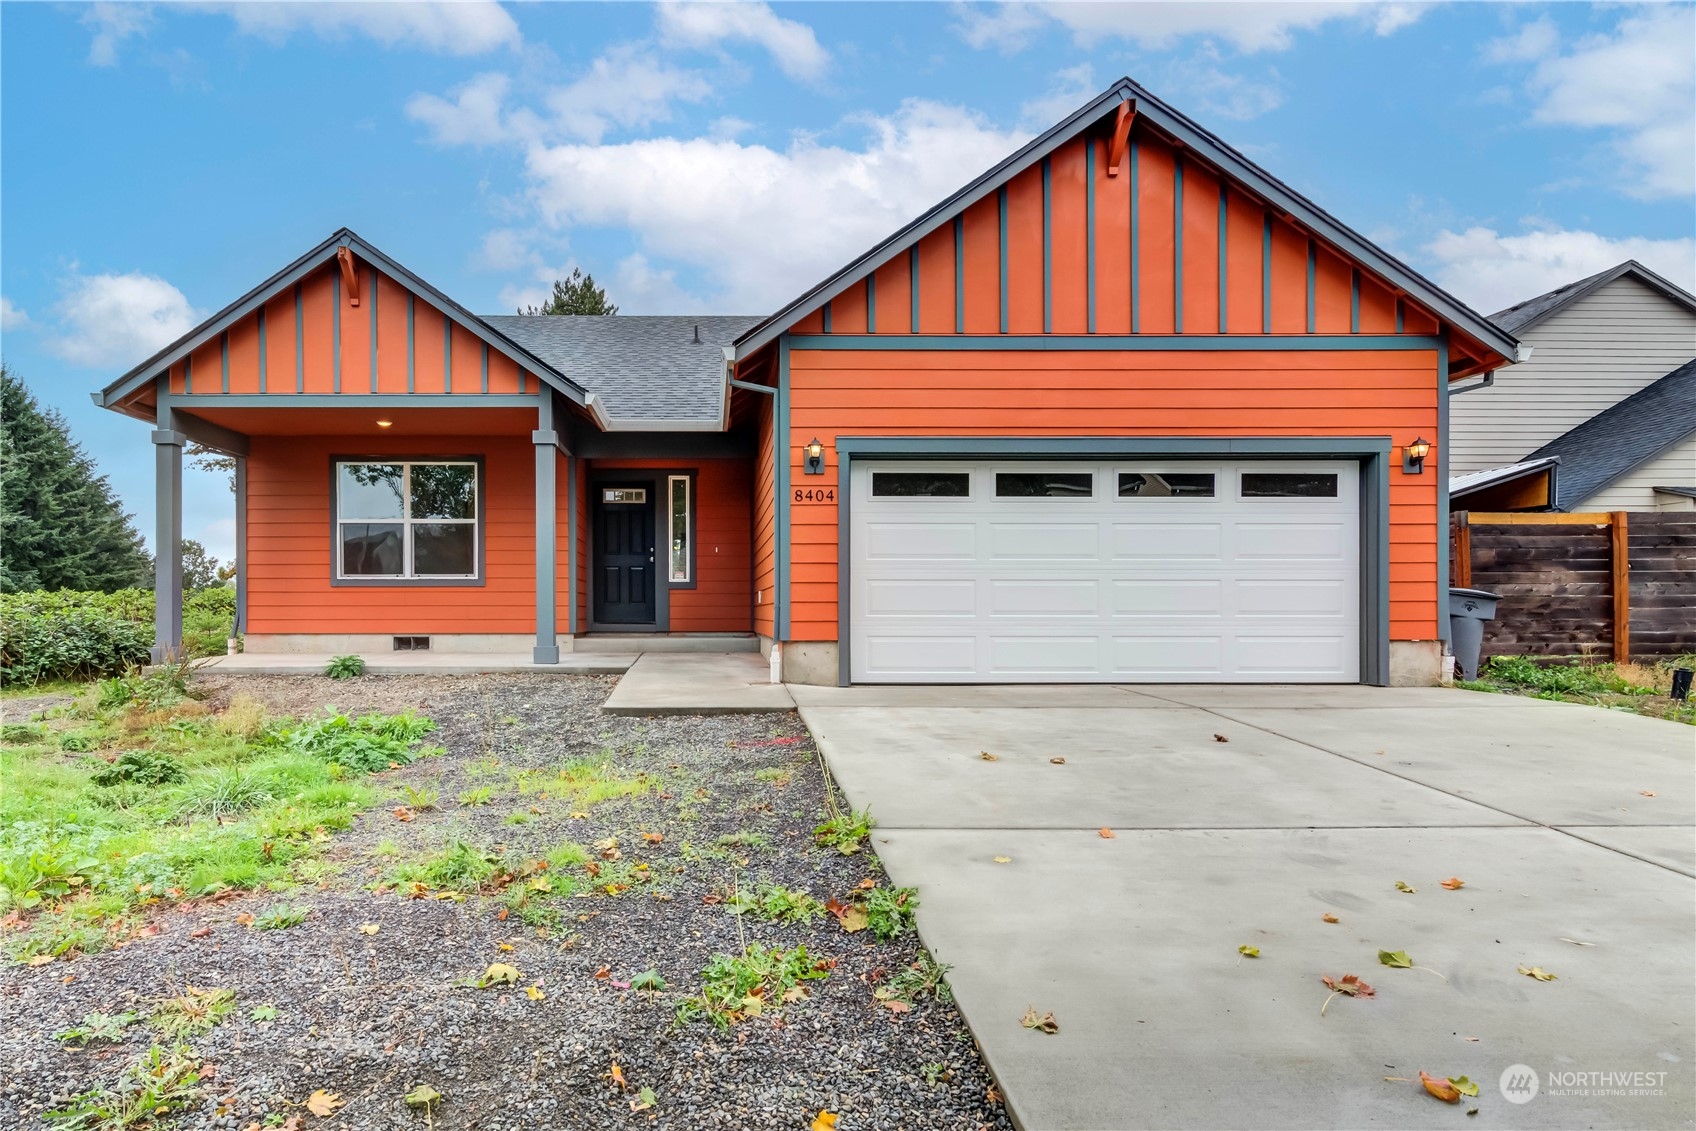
[(815, 494)]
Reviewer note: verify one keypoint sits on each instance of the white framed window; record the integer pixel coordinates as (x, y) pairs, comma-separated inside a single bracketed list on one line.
[(408, 520), (679, 506)]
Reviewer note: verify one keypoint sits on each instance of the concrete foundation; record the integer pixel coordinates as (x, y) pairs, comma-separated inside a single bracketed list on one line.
[(1416, 663), (369, 643), (810, 661)]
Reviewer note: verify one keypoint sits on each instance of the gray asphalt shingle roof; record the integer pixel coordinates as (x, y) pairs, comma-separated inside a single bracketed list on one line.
[(639, 367), (1631, 433), (1524, 315)]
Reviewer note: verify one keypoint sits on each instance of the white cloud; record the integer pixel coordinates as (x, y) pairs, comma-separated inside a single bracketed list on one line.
[(471, 117), (792, 45), (448, 27), (808, 209), (643, 288), (627, 86), (1639, 81), (1491, 271), (11, 317), (1254, 25), (1072, 87), (1533, 41), (119, 320), (112, 23), (1204, 83)]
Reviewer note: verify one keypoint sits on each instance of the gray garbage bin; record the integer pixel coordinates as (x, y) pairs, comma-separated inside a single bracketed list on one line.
[(1468, 610)]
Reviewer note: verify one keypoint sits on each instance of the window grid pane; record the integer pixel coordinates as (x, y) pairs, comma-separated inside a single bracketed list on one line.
[(420, 545)]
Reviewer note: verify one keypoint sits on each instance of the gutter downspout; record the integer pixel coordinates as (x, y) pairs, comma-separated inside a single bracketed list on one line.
[(733, 383)]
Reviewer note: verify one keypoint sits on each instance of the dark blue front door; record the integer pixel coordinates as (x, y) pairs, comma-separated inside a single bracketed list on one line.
[(624, 555)]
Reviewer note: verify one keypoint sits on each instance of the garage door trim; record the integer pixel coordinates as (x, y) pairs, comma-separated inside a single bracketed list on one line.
[(1372, 453)]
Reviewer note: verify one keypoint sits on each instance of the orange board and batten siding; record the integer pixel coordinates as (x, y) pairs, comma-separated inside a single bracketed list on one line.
[(846, 392), (1162, 247), (392, 342)]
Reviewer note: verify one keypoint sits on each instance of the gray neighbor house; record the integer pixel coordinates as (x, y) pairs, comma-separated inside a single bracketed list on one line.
[(1602, 417)]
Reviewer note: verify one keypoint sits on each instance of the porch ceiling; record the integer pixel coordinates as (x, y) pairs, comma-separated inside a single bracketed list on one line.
[(470, 420)]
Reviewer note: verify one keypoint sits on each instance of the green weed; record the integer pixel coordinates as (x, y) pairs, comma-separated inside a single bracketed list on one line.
[(924, 977), (192, 1011), (750, 984), (845, 832), (776, 904), (161, 1083), (345, 667), (99, 1027), (281, 918), (140, 767), (889, 911), (479, 796)]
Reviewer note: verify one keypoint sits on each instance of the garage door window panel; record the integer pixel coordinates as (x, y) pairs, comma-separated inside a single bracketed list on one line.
[(1289, 485), (1166, 484), (921, 484), (1044, 484)]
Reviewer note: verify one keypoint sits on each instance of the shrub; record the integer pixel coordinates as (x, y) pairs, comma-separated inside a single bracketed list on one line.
[(140, 767), (345, 667), (76, 635)]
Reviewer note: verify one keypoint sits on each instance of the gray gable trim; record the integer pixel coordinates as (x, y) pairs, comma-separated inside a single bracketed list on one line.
[(1279, 196), (1628, 435), (1524, 315), (299, 269)]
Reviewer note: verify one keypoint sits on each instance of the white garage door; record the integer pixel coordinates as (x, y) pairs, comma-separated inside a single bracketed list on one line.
[(1174, 571)]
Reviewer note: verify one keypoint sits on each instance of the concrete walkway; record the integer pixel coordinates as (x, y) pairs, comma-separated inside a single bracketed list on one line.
[(1318, 801), (425, 663), (724, 683)]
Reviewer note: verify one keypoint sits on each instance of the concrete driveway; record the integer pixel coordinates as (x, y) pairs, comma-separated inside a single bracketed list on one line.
[(1317, 802)]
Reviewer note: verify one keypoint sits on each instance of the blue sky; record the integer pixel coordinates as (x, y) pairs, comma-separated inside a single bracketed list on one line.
[(160, 160)]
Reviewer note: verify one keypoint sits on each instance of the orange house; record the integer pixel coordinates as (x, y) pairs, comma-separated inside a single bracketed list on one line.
[(1124, 408)]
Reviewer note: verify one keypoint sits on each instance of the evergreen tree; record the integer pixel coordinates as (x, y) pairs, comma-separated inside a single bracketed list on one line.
[(61, 526), (576, 295)]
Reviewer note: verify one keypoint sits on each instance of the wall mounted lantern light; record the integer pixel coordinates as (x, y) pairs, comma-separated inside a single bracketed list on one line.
[(1413, 457), (815, 457)]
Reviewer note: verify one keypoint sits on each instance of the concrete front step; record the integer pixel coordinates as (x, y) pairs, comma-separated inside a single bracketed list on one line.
[(629, 643)]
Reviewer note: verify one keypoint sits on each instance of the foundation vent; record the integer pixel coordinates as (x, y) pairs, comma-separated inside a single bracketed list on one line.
[(412, 643)]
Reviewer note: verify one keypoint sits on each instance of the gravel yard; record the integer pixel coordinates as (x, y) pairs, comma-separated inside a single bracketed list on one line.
[(650, 829)]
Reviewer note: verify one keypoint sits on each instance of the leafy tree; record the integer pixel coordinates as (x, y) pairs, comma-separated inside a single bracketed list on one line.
[(576, 295), (61, 526), (200, 569), (203, 458)]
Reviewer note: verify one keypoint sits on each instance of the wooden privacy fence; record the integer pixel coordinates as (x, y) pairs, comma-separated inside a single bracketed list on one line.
[(1618, 585)]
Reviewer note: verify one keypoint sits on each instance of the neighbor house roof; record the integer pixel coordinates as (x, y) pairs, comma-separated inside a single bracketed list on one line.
[(1495, 476), (1523, 316), (1632, 432), (325, 252), (1197, 140), (649, 371)]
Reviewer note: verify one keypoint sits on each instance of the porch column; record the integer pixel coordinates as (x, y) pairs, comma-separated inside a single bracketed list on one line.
[(240, 625), (168, 537), (546, 442)]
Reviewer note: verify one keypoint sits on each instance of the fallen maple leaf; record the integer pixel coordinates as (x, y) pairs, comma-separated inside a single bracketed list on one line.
[(1440, 1087), (1395, 958), (653, 838), (895, 1005), (1248, 951), (644, 1100), (1453, 883), (987, 757), (1349, 985), (200, 932), (1405, 887), (500, 974), (794, 994), (245, 918), (1058, 761), (403, 814), (1106, 834), (534, 993), (323, 1104), (603, 973), (616, 1075), (369, 928), (866, 884), (423, 1096), (1043, 1024), (823, 1121), (1003, 859), (1464, 1086), (1329, 918), (1537, 972)]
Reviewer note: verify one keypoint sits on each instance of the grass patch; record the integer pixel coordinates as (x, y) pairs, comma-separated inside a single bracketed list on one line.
[(751, 984), (775, 904), (845, 832), (583, 782), (192, 1012), (1638, 688), (163, 1082), (109, 1027), (197, 803), (281, 918), (924, 978)]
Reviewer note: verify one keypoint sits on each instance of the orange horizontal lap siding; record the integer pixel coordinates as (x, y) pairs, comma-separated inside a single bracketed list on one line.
[(1369, 393), (290, 585)]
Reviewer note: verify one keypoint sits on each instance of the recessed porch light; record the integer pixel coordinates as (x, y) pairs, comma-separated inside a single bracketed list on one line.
[(384, 423)]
